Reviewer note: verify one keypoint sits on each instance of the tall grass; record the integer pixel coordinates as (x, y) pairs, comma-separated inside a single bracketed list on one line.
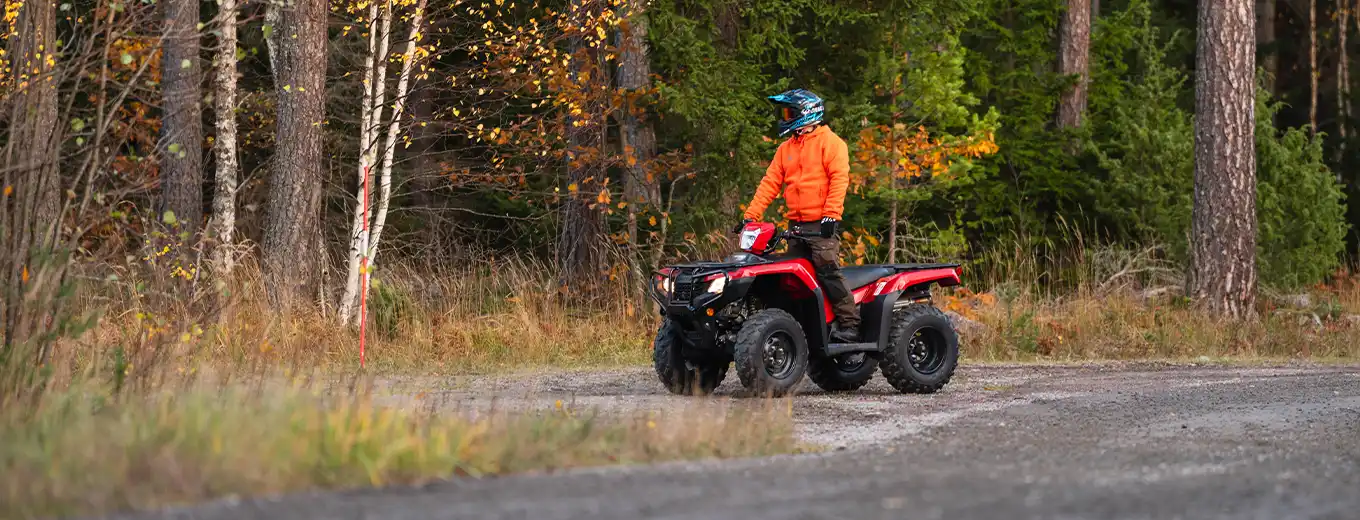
[(1068, 299), (84, 451)]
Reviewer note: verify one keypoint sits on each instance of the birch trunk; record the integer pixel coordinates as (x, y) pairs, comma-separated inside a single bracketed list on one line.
[(224, 144), (367, 135), (365, 239), (394, 130)]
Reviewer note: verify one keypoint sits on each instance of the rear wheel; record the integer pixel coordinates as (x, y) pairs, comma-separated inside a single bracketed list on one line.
[(843, 373), (922, 351), (682, 376), (771, 353)]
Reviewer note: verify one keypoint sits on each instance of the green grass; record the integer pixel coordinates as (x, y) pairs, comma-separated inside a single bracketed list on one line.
[(83, 451)]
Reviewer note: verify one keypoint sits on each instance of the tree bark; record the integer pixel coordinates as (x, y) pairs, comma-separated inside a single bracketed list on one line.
[(1222, 274), (1313, 73), (580, 245), (224, 143), (29, 222), (291, 216), (1073, 59), (638, 139), (1265, 39), (181, 139), (1343, 82), (370, 115), (393, 130)]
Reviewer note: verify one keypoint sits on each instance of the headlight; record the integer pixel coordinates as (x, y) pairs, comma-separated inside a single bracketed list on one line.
[(717, 285), (663, 285)]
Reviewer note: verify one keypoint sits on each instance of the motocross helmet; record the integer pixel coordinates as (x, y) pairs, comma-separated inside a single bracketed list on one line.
[(796, 109)]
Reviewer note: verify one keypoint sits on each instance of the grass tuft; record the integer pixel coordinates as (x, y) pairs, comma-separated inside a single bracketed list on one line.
[(84, 451)]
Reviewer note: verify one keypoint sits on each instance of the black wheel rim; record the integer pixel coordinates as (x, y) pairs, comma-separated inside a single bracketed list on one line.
[(779, 354), (926, 351)]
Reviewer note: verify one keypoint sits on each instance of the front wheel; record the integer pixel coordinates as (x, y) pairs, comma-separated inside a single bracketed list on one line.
[(771, 353), (679, 375), (922, 352)]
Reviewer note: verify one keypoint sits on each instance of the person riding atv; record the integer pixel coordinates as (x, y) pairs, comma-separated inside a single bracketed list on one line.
[(813, 169)]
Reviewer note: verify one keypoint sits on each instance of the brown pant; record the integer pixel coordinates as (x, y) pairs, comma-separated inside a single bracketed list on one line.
[(825, 257)]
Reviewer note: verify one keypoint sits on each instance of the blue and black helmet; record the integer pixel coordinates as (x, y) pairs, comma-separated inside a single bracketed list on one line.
[(797, 108)]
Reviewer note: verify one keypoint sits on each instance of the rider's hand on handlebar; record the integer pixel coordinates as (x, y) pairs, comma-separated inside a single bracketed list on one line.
[(743, 224), (829, 227)]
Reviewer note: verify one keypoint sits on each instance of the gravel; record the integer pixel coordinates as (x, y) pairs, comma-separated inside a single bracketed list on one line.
[(1005, 442)]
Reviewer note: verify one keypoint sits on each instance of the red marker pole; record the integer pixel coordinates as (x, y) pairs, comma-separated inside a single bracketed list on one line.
[(363, 274)]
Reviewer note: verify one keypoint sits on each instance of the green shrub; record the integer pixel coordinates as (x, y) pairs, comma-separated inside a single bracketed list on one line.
[(1299, 205)]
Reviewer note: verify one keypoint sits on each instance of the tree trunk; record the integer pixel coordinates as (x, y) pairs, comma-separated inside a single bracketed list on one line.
[(29, 221), (1313, 73), (370, 114), (182, 122), (580, 246), (893, 156), (295, 177), (1343, 82), (1073, 59), (224, 143), (638, 138), (1265, 40), (393, 130), (1222, 273)]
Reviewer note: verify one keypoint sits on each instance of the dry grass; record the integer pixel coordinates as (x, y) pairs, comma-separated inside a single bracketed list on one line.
[(497, 316), (85, 451), (508, 315), (1124, 325)]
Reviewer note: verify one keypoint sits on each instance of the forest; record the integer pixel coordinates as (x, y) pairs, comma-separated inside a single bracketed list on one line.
[(453, 186), (329, 146)]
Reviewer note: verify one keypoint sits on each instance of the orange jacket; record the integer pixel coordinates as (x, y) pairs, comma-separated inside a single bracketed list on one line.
[(814, 170)]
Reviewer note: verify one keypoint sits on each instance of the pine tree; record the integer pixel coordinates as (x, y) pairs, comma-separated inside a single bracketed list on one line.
[(1222, 274)]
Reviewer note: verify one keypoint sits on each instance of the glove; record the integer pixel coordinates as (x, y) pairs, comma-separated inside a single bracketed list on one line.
[(829, 227), (743, 224)]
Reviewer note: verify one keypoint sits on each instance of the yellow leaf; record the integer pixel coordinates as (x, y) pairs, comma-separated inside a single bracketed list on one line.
[(573, 187), (9, 190), (24, 277)]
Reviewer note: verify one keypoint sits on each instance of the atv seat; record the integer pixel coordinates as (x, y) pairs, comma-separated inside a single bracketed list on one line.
[(862, 275)]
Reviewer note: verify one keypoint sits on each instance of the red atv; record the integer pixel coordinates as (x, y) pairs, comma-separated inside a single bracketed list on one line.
[(767, 314)]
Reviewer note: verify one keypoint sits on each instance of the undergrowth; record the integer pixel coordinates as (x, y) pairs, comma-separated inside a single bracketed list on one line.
[(85, 450)]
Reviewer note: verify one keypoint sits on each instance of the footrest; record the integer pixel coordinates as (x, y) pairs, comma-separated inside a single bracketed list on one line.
[(836, 349)]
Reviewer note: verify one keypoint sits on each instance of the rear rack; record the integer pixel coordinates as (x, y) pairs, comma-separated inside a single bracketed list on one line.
[(920, 267)]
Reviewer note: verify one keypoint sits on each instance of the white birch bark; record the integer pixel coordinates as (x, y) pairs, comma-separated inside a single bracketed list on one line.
[(370, 114), (224, 143)]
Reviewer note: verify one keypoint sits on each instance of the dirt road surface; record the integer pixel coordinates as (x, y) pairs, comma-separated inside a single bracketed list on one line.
[(1019, 442)]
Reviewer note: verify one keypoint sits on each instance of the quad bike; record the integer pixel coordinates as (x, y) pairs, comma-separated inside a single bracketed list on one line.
[(767, 314)]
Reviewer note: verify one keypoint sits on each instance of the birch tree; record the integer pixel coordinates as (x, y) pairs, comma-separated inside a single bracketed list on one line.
[(223, 227), (365, 235)]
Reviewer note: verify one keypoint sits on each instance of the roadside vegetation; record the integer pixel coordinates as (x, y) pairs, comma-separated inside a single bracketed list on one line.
[(201, 204), (86, 450)]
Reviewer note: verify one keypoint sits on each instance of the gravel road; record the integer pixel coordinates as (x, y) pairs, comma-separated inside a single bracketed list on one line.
[(1008, 443)]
